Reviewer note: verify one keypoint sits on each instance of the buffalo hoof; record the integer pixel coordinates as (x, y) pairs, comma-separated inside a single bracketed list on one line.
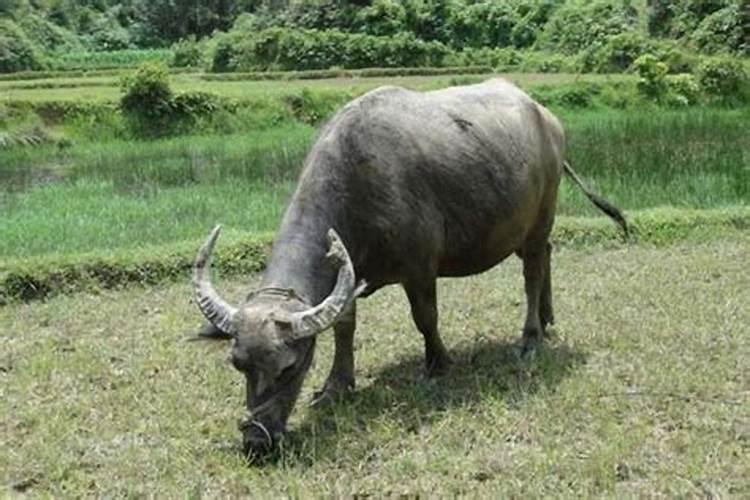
[(332, 393), (438, 366), (527, 351)]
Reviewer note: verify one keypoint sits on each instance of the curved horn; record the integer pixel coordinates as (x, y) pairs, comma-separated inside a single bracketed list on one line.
[(213, 307), (324, 315)]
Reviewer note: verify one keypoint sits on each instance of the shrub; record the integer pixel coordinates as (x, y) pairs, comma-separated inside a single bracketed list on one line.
[(317, 14), (652, 72), (545, 62), (188, 108), (225, 54), (721, 31), (617, 54), (683, 89), (483, 24), (106, 34), (314, 107), (534, 15), (17, 52), (187, 53), (675, 57), (47, 35), (151, 109), (282, 48), (575, 26), (722, 77), (147, 101), (381, 18)]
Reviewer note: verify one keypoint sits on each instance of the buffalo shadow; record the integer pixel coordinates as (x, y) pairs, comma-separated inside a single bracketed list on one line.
[(486, 368)]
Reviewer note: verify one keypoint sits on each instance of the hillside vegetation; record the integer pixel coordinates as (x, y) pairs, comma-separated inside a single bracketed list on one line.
[(541, 35)]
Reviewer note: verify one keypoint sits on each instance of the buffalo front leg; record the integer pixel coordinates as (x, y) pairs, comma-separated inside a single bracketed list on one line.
[(340, 381), (534, 258), (423, 300)]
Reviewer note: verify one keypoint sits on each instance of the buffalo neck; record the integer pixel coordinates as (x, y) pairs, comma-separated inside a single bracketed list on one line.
[(298, 258)]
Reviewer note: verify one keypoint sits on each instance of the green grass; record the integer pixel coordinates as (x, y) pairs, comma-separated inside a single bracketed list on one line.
[(698, 157), (121, 194), (640, 392), (89, 215)]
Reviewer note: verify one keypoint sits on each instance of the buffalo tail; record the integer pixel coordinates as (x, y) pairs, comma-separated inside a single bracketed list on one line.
[(612, 211)]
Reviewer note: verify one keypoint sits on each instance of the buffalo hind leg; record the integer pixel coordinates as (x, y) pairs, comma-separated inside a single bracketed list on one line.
[(546, 311), (423, 300), (340, 381), (535, 258)]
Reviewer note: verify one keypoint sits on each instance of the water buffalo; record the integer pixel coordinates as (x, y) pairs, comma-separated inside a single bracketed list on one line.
[(400, 187)]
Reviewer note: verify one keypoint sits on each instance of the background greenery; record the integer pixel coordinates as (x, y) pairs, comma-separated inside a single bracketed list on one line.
[(598, 35)]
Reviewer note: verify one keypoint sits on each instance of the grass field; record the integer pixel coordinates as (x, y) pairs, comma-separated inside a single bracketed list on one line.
[(641, 391)]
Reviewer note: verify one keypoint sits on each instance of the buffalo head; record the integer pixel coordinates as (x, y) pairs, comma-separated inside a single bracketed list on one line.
[(273, 334)]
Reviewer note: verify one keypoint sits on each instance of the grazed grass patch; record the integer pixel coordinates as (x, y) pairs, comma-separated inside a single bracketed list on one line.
[(641, 391)]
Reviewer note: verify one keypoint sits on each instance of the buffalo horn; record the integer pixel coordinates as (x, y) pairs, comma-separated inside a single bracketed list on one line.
[(324, 315), (213, 307)]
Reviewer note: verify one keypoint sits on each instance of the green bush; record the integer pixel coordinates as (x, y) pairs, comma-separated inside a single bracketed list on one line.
[(578, 26), (286, 49), (707, 23), (315, 107), (188, 109), (381, 18), (546, 62), (722, 31), (683, 89), (483, 24), (107, 34), (49, 36), (147, 101), (617, 54), (225, 54), (187, 53), (723, 78), (314, 14), (151, 109), (17, 52), (533, 16), (652, 82), (677, 59)]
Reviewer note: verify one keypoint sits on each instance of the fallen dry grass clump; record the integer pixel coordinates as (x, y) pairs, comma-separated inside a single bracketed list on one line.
[(641, 390)]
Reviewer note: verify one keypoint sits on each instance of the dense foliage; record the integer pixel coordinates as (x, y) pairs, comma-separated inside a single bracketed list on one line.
[(597, 35)]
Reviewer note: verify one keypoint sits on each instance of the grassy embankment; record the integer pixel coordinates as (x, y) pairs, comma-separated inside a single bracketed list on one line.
[(640, 392)]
